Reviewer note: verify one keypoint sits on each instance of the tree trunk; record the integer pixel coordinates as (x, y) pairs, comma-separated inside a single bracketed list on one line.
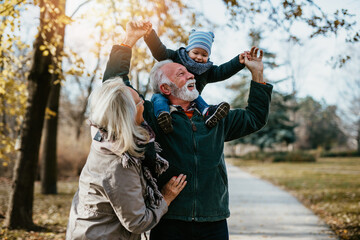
[(3, 130), (20, 208), (48, 172), (49, 155)]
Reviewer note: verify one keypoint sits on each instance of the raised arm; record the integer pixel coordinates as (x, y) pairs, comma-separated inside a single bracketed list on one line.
[(225, 70), (120, 56), (228, 69), (241, 122), (157, 48)]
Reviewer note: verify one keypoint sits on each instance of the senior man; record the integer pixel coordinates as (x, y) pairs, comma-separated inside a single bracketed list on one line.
[(201, 209)]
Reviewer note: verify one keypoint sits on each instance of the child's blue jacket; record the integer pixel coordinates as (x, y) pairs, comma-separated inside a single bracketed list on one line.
[(214, 74)]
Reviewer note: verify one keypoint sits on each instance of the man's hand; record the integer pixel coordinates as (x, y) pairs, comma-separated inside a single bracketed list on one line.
[(254, 64), (135, 30), (173, 187)]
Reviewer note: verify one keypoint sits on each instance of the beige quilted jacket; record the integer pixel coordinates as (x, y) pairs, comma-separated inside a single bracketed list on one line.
[(109, 203)]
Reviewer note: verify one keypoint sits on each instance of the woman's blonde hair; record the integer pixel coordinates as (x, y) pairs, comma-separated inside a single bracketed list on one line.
[(112, 108)]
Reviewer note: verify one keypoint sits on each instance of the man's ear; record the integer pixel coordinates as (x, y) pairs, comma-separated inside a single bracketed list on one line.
[(165, 89)]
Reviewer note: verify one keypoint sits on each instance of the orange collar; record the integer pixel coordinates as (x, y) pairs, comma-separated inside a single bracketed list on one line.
[(189, 114)]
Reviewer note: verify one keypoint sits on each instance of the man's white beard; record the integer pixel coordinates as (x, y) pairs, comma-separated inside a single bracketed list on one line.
[(184, 93)]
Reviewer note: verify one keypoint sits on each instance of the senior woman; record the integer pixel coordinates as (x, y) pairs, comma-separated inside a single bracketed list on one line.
[(118, 197)]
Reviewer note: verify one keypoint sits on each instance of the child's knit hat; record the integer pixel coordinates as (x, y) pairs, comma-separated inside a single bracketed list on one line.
[(199, 39)]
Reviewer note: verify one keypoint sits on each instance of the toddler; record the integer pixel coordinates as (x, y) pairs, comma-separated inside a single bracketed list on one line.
[(195, 57)]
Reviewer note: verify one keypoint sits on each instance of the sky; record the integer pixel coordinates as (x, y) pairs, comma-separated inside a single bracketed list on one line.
[(314, 75)]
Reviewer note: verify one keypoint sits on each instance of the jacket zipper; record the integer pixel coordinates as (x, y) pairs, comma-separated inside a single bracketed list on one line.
[(195, 158)]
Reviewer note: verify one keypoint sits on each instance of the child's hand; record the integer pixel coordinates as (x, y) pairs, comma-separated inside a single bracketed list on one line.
[(140, 27), (242, 57), (148, 27), (135, 30)]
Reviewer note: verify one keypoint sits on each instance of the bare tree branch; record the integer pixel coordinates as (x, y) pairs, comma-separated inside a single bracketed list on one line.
[(80, 6)]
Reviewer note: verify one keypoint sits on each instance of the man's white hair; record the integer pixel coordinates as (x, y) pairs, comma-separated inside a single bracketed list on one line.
[(158, 77), (112, 108)]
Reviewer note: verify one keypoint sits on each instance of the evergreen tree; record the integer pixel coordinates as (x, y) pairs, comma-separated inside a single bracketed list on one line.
[(279, 128), (319, 125)]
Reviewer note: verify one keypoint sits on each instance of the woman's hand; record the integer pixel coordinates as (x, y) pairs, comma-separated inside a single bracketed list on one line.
[(173, 187), (135, 30)]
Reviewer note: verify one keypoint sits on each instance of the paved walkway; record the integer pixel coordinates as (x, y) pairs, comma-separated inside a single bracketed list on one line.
[(260, 210)]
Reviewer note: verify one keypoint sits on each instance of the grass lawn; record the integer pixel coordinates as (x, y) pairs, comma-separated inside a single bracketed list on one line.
[(330, 187)]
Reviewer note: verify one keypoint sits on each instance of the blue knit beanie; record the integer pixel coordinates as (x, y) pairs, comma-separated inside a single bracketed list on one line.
[(199, 39)]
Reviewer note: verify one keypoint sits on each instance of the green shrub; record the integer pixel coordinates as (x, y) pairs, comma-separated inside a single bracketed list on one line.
[(340, 154), (255, 156), (294, 157), (280, 157)]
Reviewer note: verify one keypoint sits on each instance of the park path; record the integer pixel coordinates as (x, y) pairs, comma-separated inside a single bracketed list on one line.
[(260, 210)]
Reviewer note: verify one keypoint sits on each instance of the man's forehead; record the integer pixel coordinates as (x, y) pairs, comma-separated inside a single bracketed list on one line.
[(172, 67)]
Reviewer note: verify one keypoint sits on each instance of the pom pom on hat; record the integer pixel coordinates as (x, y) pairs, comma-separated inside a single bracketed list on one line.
[(200, 39)]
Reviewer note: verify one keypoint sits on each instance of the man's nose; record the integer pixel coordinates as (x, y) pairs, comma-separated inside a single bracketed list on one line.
[(190, 76)]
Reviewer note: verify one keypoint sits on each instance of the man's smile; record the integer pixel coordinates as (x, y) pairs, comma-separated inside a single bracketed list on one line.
[(191, 86)]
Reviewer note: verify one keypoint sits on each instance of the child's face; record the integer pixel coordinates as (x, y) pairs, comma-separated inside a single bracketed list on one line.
[(199, 55)]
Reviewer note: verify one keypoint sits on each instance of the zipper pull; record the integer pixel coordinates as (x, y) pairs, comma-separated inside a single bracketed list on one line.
[(193, 127)]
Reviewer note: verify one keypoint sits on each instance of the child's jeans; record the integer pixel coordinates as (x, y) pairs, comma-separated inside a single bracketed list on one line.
[(161, 104), (201, 105)]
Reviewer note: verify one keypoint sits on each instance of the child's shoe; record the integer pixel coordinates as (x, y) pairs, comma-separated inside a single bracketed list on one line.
[(164, 120), (215, 113)]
